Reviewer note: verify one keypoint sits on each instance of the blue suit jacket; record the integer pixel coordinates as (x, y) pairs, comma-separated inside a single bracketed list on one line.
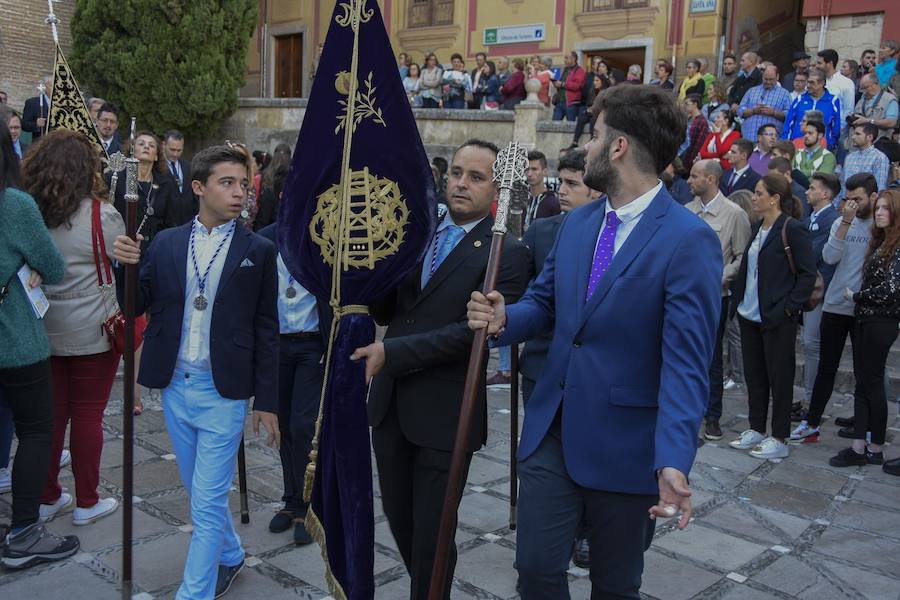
[(819, 237), (632, 363), (243, 337)]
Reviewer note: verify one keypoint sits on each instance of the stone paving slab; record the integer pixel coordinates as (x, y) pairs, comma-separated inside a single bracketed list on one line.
[(762, 530)]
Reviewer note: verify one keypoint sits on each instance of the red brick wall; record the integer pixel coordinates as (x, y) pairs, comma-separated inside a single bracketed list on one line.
[(26, 45)]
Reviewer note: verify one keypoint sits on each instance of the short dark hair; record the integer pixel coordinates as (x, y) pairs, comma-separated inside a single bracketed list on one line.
[(9, 161), (535, 155), (456, 55), (817, 125), (829, 55), (110, 108), (573, 160), (780, 164), (481, 54), (766, 126), (173, 134), (786, 147), (868, 129), (865, 181), (744, 145), (635, 110), (731, 56), (695, 98), (206, 160), (478, 144), (831, 182)]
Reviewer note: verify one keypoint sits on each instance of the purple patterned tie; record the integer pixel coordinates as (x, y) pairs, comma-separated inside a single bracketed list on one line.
[(604, 254)]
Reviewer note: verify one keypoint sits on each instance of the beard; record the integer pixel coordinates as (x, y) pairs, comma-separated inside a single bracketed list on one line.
[(864, 212), (600, 174)]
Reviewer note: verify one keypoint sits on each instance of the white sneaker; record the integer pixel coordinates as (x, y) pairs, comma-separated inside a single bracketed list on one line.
[(103, 508), (5, 480), (804, 434), (49, 511), (65, 459), (749, 439), (770, 448)]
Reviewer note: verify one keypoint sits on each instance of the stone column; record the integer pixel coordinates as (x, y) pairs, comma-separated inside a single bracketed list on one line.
[(528, 113)]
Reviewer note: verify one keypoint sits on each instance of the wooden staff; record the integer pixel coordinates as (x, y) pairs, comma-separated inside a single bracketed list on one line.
[(242, 483), (131, 275), (509, 168), (513, 434)]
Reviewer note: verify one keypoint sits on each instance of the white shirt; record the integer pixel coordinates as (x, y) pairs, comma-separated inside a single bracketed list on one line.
[(193, 354), (628, 215), (712, 202), (438, 238), (749, 306), (297, 314), (841, 87), (737, 175)]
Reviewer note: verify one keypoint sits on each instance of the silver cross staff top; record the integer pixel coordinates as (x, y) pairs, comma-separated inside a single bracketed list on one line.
[(509, 170), (52, 20)]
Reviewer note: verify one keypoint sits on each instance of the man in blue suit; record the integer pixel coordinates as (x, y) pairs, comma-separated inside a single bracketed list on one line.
[(210, 287), (632, 292)]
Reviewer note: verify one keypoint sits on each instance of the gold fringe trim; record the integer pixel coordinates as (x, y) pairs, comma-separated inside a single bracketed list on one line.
[(315, 529)]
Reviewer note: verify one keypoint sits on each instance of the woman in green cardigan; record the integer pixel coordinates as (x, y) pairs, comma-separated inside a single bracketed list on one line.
[(25, 379)]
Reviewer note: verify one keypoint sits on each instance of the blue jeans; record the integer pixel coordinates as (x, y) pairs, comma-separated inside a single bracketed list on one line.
[(300, 375), (505, 359), (206, 430), (7, 430), (569, 112)]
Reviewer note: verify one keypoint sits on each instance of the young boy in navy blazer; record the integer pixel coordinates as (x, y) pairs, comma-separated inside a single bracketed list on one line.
[(210, 287)]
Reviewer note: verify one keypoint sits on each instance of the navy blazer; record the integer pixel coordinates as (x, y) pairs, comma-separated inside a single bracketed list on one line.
[(747, 181), (31, 112), (323, 310), (243, 337), (819, 237), (633, 361)]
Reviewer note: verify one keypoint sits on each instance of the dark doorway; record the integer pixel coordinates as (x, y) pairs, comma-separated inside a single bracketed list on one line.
[(618, 58), (289, 66)]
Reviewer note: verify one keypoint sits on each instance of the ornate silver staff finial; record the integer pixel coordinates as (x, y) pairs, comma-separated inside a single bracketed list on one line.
[(52, 20), (509, 170), (115, 164), (131, 169), (41, 88), (131, 138)]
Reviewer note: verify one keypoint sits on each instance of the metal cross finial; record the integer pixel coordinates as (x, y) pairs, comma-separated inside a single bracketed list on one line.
[(52, 20), (509, 170), (42, 89)]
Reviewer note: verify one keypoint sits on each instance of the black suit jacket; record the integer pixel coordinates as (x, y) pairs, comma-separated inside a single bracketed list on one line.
[(539, 238), (243, 336), (428, 341), (742, 84), (114, 146), (322, 308), (185, 204), (781, 293), (162, 198), (31, 113), (747, 181)]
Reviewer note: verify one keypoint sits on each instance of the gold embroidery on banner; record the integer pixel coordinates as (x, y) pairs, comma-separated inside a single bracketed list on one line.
[(374, 229), (67, 107), (365, 102)]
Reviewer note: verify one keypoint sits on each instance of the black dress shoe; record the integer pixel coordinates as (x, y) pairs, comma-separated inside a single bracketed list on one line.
[(848, 457), (847, 432), (282, 520), (844, 421), (301, 535), (874, 458), (581, 555), (892, 467), (226, 577)]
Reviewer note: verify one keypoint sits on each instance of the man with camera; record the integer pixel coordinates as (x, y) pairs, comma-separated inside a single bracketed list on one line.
[(876, 106)]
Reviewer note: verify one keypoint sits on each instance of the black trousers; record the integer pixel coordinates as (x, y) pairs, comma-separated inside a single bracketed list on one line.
[(413, 481), (552, 508), (833, 334), (876, 336), (300, 372), (769, 363), (28, 392), (717, 368)]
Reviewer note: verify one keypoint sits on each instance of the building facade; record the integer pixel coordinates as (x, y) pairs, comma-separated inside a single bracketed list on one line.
[(624, 32), (850, 26)]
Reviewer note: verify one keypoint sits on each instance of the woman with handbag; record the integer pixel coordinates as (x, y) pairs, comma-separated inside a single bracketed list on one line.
[(59, 174), (877, 315), (774, 283), (25, 377)]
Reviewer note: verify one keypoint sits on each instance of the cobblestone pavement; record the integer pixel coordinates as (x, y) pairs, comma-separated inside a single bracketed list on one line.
[(793, 529)]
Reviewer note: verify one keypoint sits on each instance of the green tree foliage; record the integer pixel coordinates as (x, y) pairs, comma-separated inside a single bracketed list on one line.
[(171, 63)]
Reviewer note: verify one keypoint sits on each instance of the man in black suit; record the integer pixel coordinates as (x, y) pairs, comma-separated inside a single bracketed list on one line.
[(420, 368), (108, 127), (211, 345), (180, 170), (36, 110), (748, 77), (740, 176), (476, 74)]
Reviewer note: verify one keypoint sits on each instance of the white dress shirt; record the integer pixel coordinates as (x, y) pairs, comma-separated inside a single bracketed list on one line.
[(193, 355), (628, 215), (297, 314), (749, 306), (438, 239)]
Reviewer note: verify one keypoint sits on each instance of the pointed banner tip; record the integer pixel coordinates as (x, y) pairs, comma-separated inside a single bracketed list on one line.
[(67, 107)]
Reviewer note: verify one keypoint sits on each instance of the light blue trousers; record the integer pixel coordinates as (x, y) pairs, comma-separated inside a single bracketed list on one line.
[(505, 359), (205, 429)]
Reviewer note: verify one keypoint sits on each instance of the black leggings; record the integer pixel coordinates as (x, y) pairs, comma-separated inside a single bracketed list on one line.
[(875, 336), (28, 391)]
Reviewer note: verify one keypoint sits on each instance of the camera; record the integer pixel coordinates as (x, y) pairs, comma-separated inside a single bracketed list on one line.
[(853, 117)]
